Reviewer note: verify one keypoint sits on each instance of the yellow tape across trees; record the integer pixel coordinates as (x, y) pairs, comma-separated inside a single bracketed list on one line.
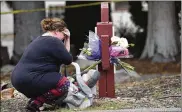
[(56, 8)]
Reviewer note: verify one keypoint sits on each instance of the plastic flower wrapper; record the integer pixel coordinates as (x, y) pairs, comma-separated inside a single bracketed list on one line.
[(94, 47), (91, 50), (117, 51)]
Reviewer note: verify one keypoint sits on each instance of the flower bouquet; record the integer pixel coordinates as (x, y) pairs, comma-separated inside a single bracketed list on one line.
[(92, 49), (118, 49)]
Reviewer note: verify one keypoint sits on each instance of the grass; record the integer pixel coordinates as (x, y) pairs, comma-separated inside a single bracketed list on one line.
[(66, 110), (108, 105)]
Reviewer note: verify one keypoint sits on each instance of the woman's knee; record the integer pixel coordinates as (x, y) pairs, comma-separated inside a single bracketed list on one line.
[(63, 84)]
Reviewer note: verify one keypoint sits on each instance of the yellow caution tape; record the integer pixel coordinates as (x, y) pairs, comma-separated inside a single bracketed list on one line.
[(56, 8)]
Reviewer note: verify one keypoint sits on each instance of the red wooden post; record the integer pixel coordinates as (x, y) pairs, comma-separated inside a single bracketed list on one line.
[(105, 31)]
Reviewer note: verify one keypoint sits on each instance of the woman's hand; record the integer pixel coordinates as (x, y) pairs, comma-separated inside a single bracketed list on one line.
[(67, 39), (67, 43)]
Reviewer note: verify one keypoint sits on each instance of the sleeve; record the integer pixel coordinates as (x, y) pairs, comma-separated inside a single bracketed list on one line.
[(59, 52)]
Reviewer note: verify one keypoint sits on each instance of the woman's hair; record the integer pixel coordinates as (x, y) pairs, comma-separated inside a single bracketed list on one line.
[(53, 24)]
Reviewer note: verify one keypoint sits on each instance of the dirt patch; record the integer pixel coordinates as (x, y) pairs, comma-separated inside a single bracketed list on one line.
[(148, 67)]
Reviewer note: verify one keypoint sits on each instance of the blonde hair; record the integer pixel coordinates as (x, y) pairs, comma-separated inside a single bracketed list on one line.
[(53, 24)]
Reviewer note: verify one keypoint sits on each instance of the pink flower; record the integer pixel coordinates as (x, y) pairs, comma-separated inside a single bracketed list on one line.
[(116, 51)]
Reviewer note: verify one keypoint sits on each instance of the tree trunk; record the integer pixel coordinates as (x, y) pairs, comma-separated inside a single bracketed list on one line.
[(163, 41), (26, 26)]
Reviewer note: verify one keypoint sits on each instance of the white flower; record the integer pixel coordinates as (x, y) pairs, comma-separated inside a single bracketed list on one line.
[(89, 49), (119, 41), (115, 39), (123, 42)]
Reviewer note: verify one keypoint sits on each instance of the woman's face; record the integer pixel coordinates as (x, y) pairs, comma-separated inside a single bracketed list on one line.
[(60, 35)]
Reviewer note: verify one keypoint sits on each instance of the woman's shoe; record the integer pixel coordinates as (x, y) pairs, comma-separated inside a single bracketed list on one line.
[(32, 107)]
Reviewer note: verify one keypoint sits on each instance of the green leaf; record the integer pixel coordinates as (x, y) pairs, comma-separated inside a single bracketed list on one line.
[(131, 45)]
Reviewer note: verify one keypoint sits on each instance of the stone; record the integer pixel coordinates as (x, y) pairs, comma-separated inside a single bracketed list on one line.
[(7, 94)]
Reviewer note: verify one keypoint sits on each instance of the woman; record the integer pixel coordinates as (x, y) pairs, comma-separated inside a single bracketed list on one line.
[(37, 73)]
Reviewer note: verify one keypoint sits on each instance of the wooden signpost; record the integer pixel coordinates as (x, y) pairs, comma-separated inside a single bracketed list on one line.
[(105, 31)]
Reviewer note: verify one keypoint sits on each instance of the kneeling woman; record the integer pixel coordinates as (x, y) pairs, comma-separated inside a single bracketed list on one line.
[(37, 73)]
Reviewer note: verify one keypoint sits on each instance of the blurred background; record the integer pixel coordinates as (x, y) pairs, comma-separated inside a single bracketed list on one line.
[(153, 26)]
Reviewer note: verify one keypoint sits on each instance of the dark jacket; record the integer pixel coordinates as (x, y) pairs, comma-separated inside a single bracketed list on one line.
[(38, 69)]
